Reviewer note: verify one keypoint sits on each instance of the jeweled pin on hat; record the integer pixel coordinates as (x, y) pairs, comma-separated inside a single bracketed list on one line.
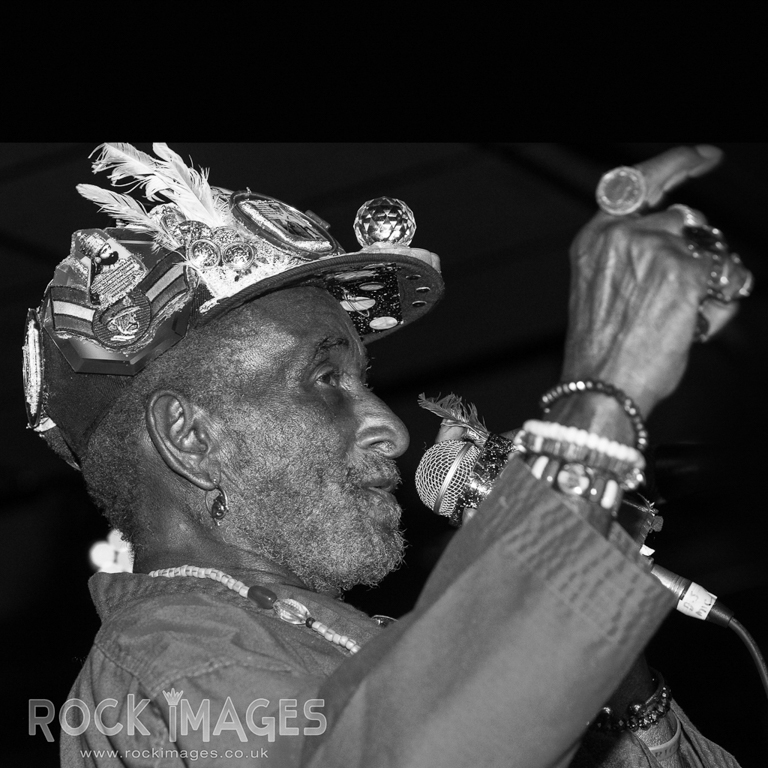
[(126, 295)]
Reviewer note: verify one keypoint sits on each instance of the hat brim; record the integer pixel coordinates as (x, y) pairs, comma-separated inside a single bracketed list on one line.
[(419, 283)]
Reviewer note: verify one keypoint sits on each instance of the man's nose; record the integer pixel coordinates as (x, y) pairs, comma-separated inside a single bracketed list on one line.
[(380, 430)]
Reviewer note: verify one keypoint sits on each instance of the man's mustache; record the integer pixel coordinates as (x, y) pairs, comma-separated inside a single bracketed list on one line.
[(374, 472)]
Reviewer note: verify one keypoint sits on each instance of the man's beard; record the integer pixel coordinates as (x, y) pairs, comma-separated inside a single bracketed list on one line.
[(305, 508)]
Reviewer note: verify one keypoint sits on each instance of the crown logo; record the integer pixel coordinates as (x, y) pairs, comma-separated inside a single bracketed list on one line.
[(172, 697)]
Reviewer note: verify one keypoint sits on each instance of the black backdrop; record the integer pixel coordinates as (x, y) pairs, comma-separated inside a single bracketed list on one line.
[(501, 216)]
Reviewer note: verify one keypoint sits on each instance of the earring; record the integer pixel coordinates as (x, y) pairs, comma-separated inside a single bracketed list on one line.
[(220, 505)]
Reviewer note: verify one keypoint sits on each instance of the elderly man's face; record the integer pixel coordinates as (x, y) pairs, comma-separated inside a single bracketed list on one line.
[(311, 448)]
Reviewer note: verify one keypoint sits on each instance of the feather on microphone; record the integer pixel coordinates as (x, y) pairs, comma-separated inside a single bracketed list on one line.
[(456, 475)]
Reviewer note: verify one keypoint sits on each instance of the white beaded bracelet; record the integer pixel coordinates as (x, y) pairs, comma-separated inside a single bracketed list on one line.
[(553, 431)]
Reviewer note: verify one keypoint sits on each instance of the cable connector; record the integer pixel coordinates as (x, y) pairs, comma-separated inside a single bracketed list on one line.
[(692, 599)]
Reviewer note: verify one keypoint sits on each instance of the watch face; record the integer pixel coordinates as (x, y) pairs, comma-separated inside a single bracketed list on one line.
[(283, 226), (574, 479)]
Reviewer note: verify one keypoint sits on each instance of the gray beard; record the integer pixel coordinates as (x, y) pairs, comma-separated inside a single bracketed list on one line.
[(305, 510)]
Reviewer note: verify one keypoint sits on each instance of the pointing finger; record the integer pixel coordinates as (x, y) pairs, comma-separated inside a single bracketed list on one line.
[(672, 168)]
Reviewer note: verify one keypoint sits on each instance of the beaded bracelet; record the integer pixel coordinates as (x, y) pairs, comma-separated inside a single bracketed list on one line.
[(582, 447), (638, 715), (592, 385)]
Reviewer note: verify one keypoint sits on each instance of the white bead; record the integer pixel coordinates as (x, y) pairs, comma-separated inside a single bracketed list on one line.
[(610, 494), (537, 470)]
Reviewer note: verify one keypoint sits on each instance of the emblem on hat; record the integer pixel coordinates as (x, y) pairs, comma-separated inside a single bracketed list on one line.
[(34, 391), (124, 321)]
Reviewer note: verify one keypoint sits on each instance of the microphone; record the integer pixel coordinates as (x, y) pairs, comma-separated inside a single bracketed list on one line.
[(443, 474), (455, 475)]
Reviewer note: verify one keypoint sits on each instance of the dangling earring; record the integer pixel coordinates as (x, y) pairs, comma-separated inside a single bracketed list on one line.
[(219, 506)]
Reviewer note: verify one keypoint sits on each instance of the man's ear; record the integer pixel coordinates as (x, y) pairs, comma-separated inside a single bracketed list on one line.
[(183, 435)]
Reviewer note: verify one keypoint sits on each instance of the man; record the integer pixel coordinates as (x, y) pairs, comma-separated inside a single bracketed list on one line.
[(203, 365)]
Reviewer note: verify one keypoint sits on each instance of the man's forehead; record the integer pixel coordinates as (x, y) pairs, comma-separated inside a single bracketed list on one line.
[(304, 320)]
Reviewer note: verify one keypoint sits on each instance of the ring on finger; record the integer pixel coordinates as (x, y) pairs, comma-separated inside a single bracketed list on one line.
[(622, 191), (702, 239), (728, 279)]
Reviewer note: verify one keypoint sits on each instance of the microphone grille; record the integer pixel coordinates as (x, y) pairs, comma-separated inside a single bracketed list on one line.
[(436, 465)]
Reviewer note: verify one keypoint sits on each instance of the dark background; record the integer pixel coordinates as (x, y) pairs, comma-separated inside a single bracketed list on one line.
[(501, 217)]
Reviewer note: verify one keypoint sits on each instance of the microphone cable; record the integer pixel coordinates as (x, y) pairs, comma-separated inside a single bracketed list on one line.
[(693, 600), (754, 651)]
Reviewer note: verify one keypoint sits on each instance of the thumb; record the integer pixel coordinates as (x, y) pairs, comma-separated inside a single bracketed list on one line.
[(447, 432)]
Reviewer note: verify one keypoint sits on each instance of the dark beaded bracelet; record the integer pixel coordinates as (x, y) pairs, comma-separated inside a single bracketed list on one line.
[(638, 715), (592, 385)]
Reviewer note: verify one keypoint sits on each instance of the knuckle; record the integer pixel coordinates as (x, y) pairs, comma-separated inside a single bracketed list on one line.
[(621, 229)]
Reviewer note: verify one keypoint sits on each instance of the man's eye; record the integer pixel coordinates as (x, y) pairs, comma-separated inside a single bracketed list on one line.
[(331, 378)]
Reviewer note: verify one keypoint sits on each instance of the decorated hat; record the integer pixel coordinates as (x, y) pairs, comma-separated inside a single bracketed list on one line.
[(128, 294)]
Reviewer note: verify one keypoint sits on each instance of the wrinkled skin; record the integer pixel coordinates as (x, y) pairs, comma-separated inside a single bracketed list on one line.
[(315, 450), (635, 291), (304, 450)]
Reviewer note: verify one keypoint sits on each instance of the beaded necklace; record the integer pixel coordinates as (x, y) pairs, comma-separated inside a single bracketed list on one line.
[(288, 610)]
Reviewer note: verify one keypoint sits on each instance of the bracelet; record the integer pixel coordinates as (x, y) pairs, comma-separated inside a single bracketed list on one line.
[(639, 715), (554, 431), (592, 385), (577, 480), (668, 748), (584, 447)]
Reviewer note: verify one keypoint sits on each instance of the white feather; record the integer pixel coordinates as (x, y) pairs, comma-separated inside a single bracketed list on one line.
[(165, 179), (131, 167), (190, 186), (121, 207)]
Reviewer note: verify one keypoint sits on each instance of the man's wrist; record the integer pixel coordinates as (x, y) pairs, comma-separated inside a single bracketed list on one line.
[(594, 412)]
